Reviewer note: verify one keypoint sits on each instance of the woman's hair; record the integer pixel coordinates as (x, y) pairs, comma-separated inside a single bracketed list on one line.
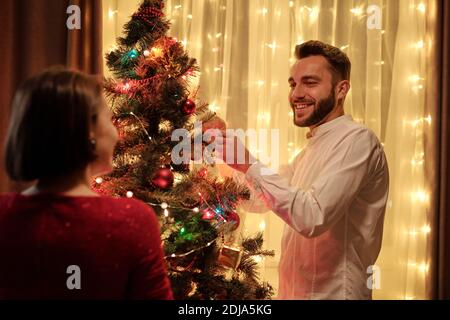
[(52, 114)]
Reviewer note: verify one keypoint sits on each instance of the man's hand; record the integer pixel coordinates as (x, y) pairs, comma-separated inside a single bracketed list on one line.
[(233, 152), (215, 122)]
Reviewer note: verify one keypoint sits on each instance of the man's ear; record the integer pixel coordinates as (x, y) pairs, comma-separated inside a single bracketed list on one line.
[(342, 89)]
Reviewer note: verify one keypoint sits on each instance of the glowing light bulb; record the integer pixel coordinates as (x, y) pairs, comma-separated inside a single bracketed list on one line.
[(428, 119), (99, 180), (164, 205), (358, 11), (208, 215), (129, 194), (166, 213), (112, 48), (425, 229), (423, 267), (146, 53), (189, 16), (414, 78), (291, 4), (314, 13), (412, 264), (264, 116), (419, 44), (415, 162), (272, 45), (421, 7), (196, 210), (262, 225), (257, 259), (214, 107), (416, 122), (111, 13), (264, 11), (420, 196)]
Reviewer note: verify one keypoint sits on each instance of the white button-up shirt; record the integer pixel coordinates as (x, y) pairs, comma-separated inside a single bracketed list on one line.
[(332, 198)]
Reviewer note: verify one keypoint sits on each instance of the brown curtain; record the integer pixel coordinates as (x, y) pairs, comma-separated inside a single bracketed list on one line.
[(443, 272), (34, 36)]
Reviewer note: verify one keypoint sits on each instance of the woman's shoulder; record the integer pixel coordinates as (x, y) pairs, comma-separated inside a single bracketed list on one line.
[(6, 198), (116, 206), (136, 207)]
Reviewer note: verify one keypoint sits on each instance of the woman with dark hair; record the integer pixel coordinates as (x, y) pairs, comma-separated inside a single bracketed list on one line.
[(59, 239)]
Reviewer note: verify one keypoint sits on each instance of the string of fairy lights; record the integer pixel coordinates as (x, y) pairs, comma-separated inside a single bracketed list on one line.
[(416, 81), (209, 212)]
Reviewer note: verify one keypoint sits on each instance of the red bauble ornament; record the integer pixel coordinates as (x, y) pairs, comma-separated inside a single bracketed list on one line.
[(163, 178), (189, 106), (202, 172), (208, 214), (233, 217)]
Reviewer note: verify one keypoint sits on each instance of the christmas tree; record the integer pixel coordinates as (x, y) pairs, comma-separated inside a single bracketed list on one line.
[(151, 96)]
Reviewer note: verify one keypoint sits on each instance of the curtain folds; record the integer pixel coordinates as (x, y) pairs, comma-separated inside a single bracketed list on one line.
[(391, 45), (442, 278)]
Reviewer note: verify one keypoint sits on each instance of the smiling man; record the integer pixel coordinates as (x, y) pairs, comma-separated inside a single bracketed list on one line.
[(333, 196)]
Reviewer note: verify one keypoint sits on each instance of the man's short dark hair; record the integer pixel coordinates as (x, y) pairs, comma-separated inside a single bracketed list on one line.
[(338, 60), (52, 114)]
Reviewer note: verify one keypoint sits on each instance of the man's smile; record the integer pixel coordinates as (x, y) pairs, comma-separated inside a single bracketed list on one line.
[(302, 105)]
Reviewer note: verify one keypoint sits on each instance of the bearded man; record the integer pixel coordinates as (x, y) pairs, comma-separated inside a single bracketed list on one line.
[(333, 196)]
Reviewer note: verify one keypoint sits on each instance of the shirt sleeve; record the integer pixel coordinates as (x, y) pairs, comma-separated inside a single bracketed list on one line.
[(311, 212), (149, 278), (255, 204)]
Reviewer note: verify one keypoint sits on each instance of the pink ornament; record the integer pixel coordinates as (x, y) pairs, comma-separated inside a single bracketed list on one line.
[(208, 214)]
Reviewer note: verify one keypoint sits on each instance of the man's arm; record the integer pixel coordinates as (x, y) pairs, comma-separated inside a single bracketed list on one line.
[(255, 204), (311, 212)]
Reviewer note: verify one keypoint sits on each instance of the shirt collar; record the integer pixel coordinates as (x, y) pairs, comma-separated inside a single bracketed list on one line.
[(327, 126)]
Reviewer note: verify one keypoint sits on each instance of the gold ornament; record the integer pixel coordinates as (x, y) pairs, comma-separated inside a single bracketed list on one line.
[(230, 257)]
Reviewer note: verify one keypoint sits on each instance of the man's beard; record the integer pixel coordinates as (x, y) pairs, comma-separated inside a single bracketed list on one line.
[(324, 107)]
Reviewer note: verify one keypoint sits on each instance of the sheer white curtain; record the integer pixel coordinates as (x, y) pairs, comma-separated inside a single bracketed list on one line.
[(245, 49)]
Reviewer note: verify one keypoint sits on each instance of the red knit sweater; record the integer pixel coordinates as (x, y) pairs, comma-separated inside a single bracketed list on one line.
[(115, 243)]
